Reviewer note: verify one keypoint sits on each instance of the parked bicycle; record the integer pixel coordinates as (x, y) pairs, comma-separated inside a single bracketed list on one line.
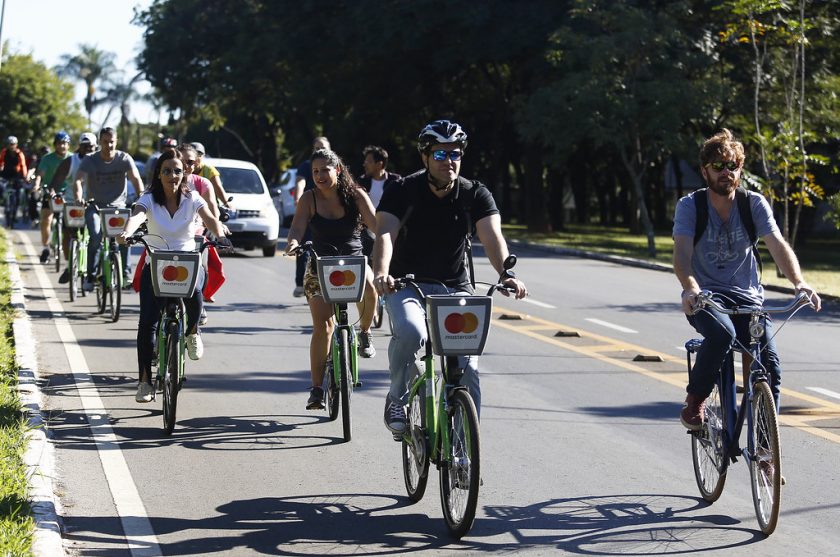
[(74, 219), (342, 280), (442, 421), (174, 275), (716, 444), (109, 280)]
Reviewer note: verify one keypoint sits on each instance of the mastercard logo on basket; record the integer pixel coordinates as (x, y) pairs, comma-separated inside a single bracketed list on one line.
[(76, 213), (342, 278), (116, 222), (456, 323), (175, 273)]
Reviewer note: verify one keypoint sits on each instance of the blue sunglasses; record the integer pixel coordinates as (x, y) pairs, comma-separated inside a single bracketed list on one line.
[(442, 154)]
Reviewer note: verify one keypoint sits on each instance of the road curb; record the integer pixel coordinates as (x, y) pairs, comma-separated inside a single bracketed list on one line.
[(621, 260), (39, 455)]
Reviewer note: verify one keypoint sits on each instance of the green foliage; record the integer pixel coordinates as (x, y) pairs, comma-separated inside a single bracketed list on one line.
[(35, 102)]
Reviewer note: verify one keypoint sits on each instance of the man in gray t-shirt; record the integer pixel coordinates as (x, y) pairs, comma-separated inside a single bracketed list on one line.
[(722, 262), (105, 174)]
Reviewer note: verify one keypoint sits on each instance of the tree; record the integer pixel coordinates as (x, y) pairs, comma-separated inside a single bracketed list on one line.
[(35, 103), (91, 65)]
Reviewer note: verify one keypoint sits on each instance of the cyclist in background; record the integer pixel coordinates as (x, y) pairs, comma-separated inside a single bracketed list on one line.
[(209, 172), (375, 181), (13, 166), (422, 228), (335, 211), (105, 173), (66, 172), (169, 208), (722, 261), (47, 168)]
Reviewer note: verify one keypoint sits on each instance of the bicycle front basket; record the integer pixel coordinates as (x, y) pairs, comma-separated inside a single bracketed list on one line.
[(57, 204), (174, 273), (342, 278), (458, 324), (74, 215), (113, 220)]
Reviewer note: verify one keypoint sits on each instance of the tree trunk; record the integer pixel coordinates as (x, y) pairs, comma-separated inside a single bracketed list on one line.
[(537, 214)]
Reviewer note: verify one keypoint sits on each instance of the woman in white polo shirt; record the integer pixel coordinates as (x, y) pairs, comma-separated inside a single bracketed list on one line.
[(169, 209)]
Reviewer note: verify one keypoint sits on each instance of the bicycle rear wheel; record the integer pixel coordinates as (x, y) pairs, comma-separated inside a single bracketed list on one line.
[(170, 377), (72, 268), (378, 314), (346, 382), (765, 464), (332, 393), (115, 285), (101, 293), (415, 448), (460, 471), (708, 450)]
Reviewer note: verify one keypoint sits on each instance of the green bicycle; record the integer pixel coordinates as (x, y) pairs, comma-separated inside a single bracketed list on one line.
[(108, 283), (57, 228), (74, 218), (442, 421), (174, 275), (342, 280)]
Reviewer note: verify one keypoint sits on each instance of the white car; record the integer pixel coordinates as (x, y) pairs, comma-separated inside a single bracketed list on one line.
[(283, 194), (255, 222)]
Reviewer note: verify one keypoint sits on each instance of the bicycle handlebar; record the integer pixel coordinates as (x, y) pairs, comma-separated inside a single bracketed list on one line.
[(705, 300), (138, 238)]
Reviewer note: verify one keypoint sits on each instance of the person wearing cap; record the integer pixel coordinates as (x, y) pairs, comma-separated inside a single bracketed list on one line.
[(66, 172), (106, 172), (166, 143), (209, 172), (47, 168)]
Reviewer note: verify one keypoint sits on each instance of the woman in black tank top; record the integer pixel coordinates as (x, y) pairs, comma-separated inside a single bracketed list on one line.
[(335, 210)]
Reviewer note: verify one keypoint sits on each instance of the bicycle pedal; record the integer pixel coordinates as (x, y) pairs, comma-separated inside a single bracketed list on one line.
[(357, 384), (398, 437)]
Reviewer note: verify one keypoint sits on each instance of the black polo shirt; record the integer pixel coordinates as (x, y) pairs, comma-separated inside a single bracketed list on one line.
[(432, 240)]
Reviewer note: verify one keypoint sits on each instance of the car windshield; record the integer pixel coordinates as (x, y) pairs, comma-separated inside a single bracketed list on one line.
[(240, 180)]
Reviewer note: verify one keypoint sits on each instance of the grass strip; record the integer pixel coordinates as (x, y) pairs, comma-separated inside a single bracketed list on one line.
[(16, 523), (819, 257)]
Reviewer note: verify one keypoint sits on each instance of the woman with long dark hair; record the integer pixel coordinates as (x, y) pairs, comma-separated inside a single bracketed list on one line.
[(335, 211), (169, 208)]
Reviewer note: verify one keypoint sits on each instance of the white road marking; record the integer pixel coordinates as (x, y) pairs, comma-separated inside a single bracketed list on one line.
[(139, 534), (825, 392), (610, 325), (540, 304)]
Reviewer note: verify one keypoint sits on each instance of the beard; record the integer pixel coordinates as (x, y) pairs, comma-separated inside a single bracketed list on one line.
[(723, 188)]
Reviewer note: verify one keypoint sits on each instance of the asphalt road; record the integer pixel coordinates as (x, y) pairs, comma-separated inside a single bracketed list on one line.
[(582, 451)]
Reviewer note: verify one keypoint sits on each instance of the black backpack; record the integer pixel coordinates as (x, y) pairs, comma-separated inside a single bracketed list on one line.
[(744, 209)]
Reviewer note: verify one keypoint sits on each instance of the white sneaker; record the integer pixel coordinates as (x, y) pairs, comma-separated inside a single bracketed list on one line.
[(298, 292), (145, 392), (195, 347)]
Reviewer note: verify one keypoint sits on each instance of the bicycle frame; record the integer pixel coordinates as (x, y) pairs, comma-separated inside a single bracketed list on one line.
[(171, 322), (342, 324)]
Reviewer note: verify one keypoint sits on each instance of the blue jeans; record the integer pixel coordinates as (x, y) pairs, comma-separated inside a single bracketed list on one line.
[(719, 333), (94, 225), (408, 318)]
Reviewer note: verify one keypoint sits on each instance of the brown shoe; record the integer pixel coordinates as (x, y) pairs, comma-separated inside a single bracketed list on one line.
[(692, 413)]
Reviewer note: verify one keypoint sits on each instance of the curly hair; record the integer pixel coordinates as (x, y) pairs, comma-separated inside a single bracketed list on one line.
[(346, 184), (722, 145)]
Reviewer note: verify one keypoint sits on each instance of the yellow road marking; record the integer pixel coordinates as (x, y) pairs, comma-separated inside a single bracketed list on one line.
[(531, 326)]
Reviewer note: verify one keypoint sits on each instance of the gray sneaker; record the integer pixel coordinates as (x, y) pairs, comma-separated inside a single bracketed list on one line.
[(366, 349), (394, 416)]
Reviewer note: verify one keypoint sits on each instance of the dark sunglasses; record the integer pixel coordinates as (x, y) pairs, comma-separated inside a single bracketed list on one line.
[(171, 172), (731, 166), (441, 155)]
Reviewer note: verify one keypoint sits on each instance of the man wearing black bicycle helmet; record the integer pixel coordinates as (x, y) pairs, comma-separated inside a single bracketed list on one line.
[(424, 226)]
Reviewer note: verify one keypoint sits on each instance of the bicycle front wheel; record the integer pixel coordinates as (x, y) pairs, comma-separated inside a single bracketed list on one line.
[(377, 314), (345, 382), (59, 240), (171, 378), (115, 285), (415, 448), (460, 471), (73, 268), (765, 463), (708, 450)]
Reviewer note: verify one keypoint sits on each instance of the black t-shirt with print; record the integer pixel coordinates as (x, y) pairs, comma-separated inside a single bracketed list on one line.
[(431, 241)]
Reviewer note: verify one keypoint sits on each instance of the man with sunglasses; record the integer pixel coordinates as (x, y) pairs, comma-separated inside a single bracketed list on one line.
[(721, 259), (105, 173), (423, 225)]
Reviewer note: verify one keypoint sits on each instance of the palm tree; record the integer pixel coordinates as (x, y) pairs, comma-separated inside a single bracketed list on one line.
[(90, 65)]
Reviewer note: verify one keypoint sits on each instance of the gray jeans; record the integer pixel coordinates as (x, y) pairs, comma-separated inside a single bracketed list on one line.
[(408, 318)]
